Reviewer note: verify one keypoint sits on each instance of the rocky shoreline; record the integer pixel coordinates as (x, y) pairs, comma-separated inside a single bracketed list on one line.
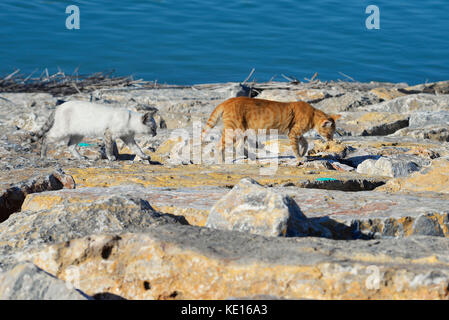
[(366, 217)]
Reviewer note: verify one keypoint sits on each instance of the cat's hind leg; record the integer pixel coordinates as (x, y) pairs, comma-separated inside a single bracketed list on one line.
[(73, 144), (227, 144)]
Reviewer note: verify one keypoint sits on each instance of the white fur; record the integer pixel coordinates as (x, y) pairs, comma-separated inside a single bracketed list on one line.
[(78, 119), (91, 120)]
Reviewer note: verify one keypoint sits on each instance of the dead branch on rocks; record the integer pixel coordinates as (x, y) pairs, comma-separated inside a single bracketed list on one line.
[(60, 84), (291, 79)]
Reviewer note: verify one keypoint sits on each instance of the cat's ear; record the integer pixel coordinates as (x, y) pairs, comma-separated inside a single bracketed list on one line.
[(148, 116), (326, 124), (335, 117)]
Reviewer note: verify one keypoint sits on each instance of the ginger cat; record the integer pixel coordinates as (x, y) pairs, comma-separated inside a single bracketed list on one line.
[(291, 118)]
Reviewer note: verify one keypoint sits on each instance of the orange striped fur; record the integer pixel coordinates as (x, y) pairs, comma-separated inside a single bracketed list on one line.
[(291, 118)]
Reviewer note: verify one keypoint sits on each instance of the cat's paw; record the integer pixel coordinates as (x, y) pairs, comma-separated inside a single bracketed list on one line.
[(142, 159), (112, 158)]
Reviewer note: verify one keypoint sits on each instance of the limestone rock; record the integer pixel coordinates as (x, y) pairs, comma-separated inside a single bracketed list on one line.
[(395, 166), (433, 125), (441, 87), (333, 149), (412, 103), (249, 207), (429, 118), (28, 282), (387, 93), (27, 111), (11, 198), (220, 175), (71, 214), (345, 214), (372, 123), (432, 132), (350, 101), (290, 95), (371, 147), (434, 178), (186, 262), (318, 165)]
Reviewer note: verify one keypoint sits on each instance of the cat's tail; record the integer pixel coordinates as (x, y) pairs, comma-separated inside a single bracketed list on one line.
[(36, 136), (214, 117)]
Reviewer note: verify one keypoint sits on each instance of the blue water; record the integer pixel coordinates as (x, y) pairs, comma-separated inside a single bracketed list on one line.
[(198, 41)]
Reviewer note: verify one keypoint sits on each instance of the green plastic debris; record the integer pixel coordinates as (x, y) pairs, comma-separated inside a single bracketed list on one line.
[(326, 179)]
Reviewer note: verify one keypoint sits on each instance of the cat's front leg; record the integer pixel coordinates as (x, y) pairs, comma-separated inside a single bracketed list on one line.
[(297, 140), (109, 145), (131, 143), (304, 146), (72, 144)]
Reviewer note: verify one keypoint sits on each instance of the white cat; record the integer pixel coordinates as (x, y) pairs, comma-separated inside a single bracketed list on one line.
[(77, 119)]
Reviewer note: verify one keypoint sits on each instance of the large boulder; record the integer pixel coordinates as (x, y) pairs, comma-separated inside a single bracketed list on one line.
[(68, 215), (391, 166), (434, 178), (433, 125), (350, 101), (249, 207)]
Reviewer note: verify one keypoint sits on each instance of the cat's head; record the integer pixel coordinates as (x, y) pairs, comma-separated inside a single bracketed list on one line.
[(326, 126), (149, 123)]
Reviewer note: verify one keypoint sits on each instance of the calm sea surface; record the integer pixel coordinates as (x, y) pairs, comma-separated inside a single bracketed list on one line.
[(198, 41)]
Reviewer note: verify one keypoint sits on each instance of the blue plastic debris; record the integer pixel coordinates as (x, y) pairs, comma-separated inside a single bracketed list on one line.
[(82, 144)]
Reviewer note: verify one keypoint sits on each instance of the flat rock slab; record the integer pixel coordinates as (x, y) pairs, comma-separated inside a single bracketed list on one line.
[(221, 175), (432, 132), (192, 203), (376, 214), (412, 103), (187, 262), (371, 123)]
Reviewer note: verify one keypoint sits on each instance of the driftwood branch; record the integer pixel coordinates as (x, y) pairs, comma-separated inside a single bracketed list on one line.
[(60, 84), (345, 75), (249, 76), (291, 79)]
